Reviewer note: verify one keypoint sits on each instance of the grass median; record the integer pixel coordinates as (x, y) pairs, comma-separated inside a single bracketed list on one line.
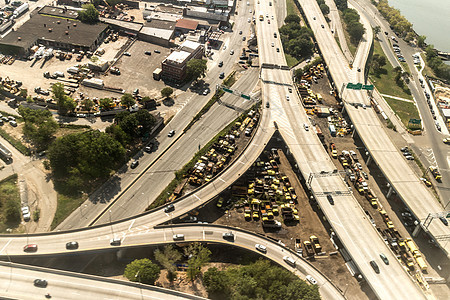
[(405, 110)]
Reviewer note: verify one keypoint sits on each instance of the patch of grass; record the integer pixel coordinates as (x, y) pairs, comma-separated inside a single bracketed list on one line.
[(385, 80), (290, 60), (427, 70), (291, 8), (350, 45), (9, 192), (405, 110), (65, 206), (15, 142)]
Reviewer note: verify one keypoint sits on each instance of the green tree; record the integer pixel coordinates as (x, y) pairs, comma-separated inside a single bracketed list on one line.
[(106, 103), (376, 30), (23, 93), (39, 127), (196, 68), (341, 4), (89, 14), (216, 282), (356, 31), (198, 255), (145, 119), (421, 41), (87, 104), (143, 271), (292, 19), (117, 133), (85, 156), (167, 258), (324, 8), (129, 125), (64, 102), (166, 92), (127, 100)]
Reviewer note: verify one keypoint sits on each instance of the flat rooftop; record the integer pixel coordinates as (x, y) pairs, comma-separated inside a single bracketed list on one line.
[(60, 12), (178, 57), (38, 27)]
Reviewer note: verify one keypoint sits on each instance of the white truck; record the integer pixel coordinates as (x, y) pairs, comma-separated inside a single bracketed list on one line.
[(20, 10)]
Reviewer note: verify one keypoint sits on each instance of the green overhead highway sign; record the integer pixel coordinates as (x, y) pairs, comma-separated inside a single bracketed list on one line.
[(368, 87), (227, 90), (245, 96), (354, 86)]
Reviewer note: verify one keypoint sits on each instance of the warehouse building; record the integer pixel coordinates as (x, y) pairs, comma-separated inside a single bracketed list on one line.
[(174, 66), (56, 32)]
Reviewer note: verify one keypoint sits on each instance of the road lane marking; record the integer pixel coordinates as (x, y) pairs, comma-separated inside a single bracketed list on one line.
[(131, 225), (9, 241), (198, 198)]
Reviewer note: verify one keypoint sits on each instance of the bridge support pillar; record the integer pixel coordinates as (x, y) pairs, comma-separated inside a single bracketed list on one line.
[(369, 160), (389, 193), (416, 231)]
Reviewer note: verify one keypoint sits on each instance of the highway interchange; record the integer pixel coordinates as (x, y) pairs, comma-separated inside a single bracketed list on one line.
[(346, 217)]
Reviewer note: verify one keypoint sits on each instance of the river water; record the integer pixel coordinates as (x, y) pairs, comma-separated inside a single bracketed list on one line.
[(430, 18)]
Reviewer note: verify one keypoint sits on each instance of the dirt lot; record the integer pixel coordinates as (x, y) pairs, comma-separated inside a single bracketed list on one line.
[(311, 223), (136, 72)]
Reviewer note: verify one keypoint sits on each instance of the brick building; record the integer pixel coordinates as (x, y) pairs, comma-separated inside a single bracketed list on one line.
[(174, 66)]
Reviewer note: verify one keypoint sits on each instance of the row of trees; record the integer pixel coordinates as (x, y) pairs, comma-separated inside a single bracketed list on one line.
[(323, 7), (439, 68), (399, 23), (354, 28), (259, 280), (295, 38), (145, 271)]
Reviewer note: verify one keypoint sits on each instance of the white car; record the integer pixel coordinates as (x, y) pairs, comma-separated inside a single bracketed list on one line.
[(306, 126), (288, 98), (311, 279), (261, 248), (26, 213), (273, 44)]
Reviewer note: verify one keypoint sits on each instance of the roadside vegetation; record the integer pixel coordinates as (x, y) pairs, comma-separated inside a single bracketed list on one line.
[(405, 110), (399, 23), (383, 75), (354, 30), (291, 8), (296, 40), (436, 64), (258, 280), (183, 172), (9, 203)]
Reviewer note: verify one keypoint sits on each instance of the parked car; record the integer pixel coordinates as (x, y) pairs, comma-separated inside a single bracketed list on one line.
[(444, 220), (26, 213), (148, 52), (134, 164), (157, 51), (72, 245)]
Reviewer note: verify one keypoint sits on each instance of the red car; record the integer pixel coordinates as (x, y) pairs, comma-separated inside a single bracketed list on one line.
[(245, 67), (30, 248)]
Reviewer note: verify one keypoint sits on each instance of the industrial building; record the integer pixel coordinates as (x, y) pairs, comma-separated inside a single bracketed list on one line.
[(174, 66), (59, 32)]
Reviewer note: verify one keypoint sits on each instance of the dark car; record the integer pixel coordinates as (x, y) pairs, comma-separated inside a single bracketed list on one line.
[(40, 283), (444, 220), (30, 248), (157, 51), (72, 245), (148, 52), (134, 164), (220, 64), (169, 208), (222, 75), (330, 199), (228, 236), (375, 266), (384, 258)]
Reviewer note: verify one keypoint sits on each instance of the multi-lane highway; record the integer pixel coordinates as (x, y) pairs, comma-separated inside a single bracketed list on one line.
[(133, 197), (17, 282), (367, 124)]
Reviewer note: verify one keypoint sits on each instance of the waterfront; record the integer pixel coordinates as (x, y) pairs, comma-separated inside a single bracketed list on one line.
[(429, 18)]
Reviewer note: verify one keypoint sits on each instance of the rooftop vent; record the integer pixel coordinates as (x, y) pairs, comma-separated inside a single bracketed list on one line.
[(50, 30), (58, 22), (19, 38), (74, 24), (67, 32)]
